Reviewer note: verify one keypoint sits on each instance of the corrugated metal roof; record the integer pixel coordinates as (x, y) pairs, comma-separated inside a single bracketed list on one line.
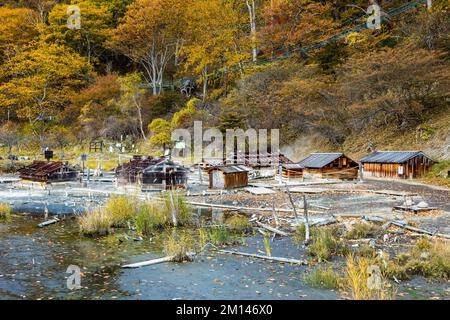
[(319, 160), (392, 156), (292, 166), (231, 169)]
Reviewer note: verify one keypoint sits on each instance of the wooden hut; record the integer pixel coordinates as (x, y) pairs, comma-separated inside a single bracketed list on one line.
[(329, 166), (292, 170), (397, 164), (49, 171), (164, 175), (228, 177), (129, 172)]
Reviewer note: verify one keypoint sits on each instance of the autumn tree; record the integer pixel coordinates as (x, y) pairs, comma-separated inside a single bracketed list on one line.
[(17, 28), (133, 95), (35, 85), (160, 130), (9, 137), (90, 108), (295, 22), (393, 85), (215, 38), (89, 40), (148, 35)]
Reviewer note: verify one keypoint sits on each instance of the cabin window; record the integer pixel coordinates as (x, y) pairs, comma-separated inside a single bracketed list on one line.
[(344, 161)]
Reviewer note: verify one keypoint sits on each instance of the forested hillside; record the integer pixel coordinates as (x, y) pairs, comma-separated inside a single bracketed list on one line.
[(135, 69)]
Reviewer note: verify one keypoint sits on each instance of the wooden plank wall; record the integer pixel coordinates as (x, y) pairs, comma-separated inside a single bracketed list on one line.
[(414, 168)]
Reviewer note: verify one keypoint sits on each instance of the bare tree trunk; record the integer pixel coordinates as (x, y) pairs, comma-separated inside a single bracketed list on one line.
[(305, 208), (205, 82), (141, 122), (252, 17)]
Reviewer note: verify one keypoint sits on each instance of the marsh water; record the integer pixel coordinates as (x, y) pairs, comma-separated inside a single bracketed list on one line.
[(34, 261)]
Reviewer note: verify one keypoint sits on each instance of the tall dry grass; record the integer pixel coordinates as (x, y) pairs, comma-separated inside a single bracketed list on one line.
[(5, 212), (362, 282)]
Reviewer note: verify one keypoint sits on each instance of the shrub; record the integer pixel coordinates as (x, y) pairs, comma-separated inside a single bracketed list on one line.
[(238, 223), (95, 223), (180, 246), (325, 243), (150, 216), (362, 282), (184, 211), (5, 212), (366, 251), (323, 278), (121, 209), (362, 230), (220, 235), (428, 259)]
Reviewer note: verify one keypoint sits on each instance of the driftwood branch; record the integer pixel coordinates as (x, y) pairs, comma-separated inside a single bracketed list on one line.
[(305, 208), (279, 259), (418, 230), (292, 203), (149, 262), (272, 229), (48, 222)]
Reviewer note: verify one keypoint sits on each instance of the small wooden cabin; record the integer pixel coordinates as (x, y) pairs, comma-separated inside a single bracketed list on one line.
[(397, 164), (329, 166), (292, 170), (129, 172), (228, 177), (49, 171), (165, 175)]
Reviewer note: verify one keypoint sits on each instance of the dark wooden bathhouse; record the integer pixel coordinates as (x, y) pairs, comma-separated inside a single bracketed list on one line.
[(152, 172), (397, 164), (129, 172), (49, 171), (164, 175), (329, 166), (228, 177)]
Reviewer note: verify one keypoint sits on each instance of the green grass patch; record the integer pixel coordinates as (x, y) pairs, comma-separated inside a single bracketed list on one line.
[(425, 258), (324, 242), (363, 230), (180, 245), (323, 277), (95, 223), (239, 223), (5, 212)]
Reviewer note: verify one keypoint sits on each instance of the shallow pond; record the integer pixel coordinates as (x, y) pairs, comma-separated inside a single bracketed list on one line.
[(33, 264)]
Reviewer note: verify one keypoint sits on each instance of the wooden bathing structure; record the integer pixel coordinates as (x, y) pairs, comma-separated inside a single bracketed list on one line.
[(397, 164), (330, 166), (292, 170), (152, 172), (129, 172), (165, 175), (49, 171), (228, 177), (266, 164)]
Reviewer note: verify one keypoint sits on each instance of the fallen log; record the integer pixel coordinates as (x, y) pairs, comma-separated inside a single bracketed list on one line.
[(279, 259), (223, 206), (374, 219), (48, 222), (149, 262), (418, 230), (272, 229)]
